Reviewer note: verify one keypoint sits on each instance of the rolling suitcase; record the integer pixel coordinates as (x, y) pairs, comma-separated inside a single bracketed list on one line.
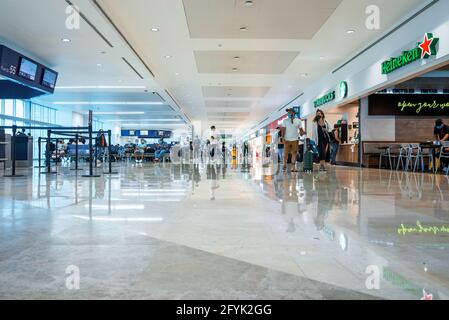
[(308, 156), (308, 161)]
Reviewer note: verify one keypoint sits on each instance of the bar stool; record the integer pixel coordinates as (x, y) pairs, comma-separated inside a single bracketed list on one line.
[(414, 155), (392, 158), (420, 155), (404, 155)]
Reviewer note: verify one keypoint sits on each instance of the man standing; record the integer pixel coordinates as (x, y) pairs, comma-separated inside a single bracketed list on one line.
[(291, 128)]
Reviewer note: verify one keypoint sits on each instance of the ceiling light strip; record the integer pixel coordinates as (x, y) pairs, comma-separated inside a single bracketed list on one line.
[(89, 23), (107, 103), (98, 87), (173, 99), (95, 2), (131, 66)]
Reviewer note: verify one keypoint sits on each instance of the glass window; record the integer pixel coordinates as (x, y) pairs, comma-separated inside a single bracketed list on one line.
[(9, 107), (8, 123), (35, 112), (20, 109), (52, 116)]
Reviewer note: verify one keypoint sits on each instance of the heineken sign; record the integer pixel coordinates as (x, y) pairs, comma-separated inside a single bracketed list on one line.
[(423, 50)]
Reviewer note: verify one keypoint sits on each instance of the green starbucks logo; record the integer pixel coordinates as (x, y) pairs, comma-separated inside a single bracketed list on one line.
[(343, 89)]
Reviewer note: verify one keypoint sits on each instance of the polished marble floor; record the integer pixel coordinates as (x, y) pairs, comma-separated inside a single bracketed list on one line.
[(164, 231)]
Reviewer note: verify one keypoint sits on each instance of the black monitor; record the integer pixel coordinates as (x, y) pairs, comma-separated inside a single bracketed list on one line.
[(27, 69), (49, 79)]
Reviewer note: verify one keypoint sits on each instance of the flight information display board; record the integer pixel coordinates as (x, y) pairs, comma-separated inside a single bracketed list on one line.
[(23, 71)]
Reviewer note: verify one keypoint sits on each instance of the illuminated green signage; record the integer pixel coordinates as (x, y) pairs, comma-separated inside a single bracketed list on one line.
[(422, 106), (343, 89), (339, 93), (420, 229), (324, 99), (423, 50)]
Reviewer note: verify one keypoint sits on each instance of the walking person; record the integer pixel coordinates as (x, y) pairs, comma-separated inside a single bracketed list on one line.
[(291, 128), (196, 148), (100, 145), (321, 137), (335, 143), (280, 146)]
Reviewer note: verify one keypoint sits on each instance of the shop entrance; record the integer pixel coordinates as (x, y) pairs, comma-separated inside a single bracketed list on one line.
[(344, 120), (399, 124)]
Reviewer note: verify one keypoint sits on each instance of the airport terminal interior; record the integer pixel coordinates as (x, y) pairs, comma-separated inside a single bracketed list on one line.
[(224, 149)]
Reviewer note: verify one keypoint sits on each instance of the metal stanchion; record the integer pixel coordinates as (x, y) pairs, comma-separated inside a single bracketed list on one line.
[(39, 147), (109, 154), (91, 169), (76, 153), (13, 154)]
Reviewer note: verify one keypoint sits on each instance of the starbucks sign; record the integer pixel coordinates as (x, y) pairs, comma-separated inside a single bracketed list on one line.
[(339, 93)]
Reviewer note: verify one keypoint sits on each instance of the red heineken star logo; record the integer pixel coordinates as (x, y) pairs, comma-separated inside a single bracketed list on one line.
[(428, 46)]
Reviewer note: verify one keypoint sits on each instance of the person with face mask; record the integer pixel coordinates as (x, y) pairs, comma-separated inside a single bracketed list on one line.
[(289, 131), (441, 131), (321, 129)]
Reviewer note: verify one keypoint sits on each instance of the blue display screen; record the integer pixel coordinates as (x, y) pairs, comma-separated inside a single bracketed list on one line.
[(146, 133), (27, 69), (49, 79)]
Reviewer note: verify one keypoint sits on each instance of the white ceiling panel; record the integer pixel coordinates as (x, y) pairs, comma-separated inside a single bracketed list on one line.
[(265, 19)]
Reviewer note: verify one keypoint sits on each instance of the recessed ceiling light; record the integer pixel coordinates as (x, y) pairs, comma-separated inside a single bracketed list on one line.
[(350, 31), (243, 28), (65, 40), (99, 87), (136, 103), (99, 65), (177, 74), (155, 29), (249, 3), (321, 58)]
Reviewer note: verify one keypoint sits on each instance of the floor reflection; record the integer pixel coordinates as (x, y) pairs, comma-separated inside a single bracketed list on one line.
[(341, 228)]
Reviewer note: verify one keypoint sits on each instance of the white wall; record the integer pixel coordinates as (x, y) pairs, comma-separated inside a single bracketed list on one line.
[(376, 128), (78, 120)]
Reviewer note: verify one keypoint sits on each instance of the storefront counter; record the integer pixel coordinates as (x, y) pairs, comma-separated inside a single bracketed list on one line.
[(348, 153)]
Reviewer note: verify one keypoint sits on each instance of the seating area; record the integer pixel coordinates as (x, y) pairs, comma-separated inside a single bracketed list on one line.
[(118, 153), (413, 156)]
